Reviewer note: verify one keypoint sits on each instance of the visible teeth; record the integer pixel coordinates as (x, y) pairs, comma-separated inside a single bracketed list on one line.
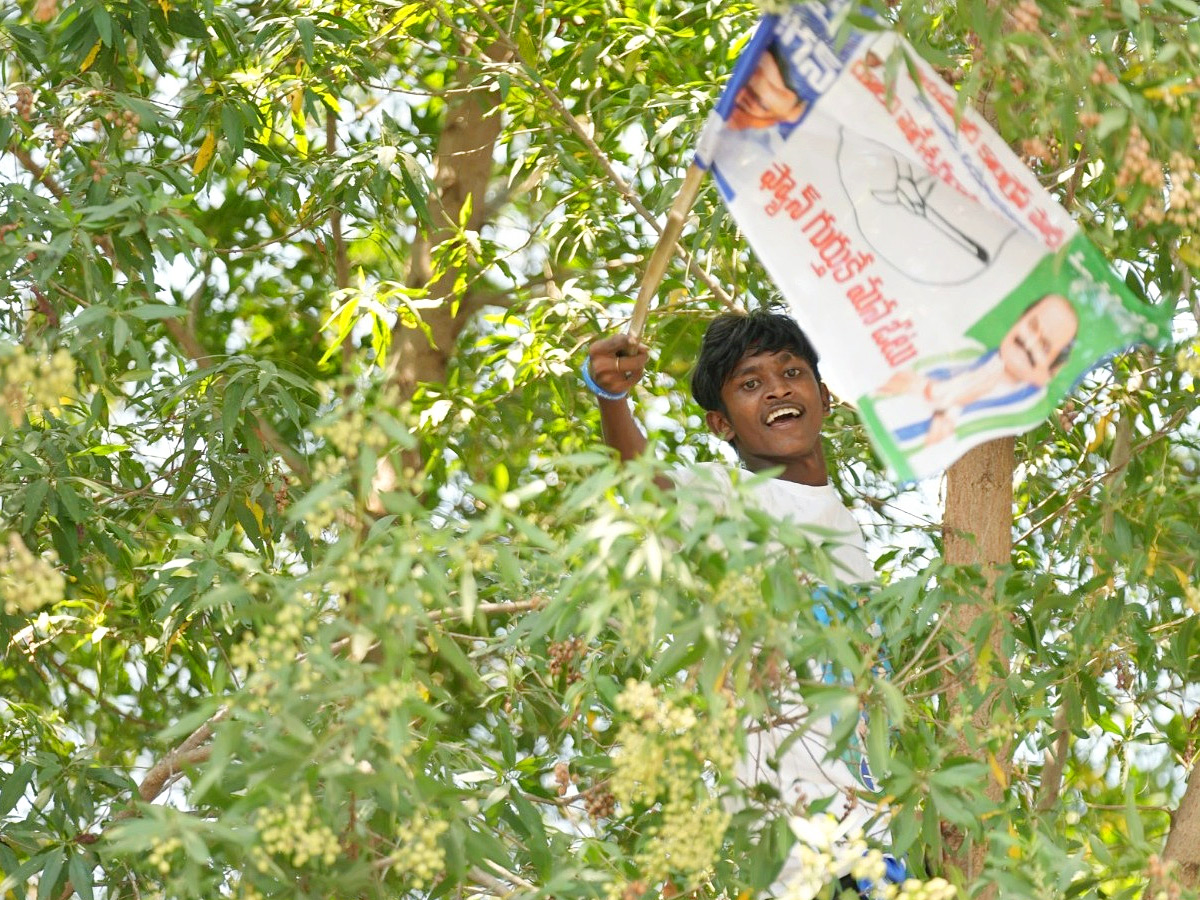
[(780, 413)]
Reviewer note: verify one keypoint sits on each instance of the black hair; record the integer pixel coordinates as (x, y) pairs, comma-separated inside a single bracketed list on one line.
[(731, 336)]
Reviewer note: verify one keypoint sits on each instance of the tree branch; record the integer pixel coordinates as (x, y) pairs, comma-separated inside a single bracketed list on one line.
[(526, 70), (1056, 760), (39, 172), (193, 750), (180, 332)]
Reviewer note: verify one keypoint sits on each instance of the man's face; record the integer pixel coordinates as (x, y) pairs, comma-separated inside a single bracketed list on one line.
[(1032, 345), (774, 407), (765, 100)]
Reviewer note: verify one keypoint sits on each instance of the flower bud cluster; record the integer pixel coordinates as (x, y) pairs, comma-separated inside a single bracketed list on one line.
[(740, 592), (1101, 74), (1188, 360), (34, 384), (271, 653), (294, 833), (161, 851), (328, 510), (666, 755), (687, 841), (24, 104), (127, 121), (28, 582), (1138, 167), (1184, 200), (563, 658), (1026, 17), (599, 802), (376, 708), (350, 433), (419, 858)]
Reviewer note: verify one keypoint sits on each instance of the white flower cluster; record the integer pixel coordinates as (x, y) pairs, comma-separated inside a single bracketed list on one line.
[(912, 889), (826, 850), (666, 753), (28, 582), (32, 384), (419, 858), (294, 833)]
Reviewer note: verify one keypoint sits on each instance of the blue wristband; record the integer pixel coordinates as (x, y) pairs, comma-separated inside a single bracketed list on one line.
[(585, 372)]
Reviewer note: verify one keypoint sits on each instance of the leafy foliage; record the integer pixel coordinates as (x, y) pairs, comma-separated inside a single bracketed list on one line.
[(238, 661)]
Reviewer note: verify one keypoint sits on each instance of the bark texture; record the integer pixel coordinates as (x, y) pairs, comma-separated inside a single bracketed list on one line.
[(463, 169), (1183, 842), (977, 531)]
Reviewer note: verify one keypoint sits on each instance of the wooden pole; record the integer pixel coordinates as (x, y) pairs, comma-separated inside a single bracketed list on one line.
[(657, 267)]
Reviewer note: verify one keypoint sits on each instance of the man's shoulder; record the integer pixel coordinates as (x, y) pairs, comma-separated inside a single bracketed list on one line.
[(710, 475)]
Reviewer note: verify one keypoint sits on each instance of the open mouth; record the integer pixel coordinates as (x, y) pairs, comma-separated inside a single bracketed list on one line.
[(784, 415)]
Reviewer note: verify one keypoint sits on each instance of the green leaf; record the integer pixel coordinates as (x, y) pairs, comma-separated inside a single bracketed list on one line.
[(50, 872), (450, 652), (150, 311), (80, 874), (187, 23), (35, 498), (104, 24), (70, 501), (14, 786)]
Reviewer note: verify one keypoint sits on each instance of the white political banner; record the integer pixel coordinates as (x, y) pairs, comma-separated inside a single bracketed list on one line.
[(949, 295)]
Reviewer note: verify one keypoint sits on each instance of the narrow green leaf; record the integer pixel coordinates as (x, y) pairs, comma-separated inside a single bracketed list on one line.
[(14, 786), (35, 497), (50, 872), (80, 874)]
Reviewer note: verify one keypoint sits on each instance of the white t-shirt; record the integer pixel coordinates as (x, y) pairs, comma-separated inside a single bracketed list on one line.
[(802, 504), (802, 774)]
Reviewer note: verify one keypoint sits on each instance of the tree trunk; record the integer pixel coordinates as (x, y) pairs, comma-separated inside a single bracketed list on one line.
[(1183, 841), (977, 531), (463, 170)]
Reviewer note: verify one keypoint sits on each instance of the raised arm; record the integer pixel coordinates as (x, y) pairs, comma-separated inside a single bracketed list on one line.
[(615, 364)]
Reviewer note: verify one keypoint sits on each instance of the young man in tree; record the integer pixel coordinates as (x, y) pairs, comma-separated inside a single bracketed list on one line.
[(757, 379)]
